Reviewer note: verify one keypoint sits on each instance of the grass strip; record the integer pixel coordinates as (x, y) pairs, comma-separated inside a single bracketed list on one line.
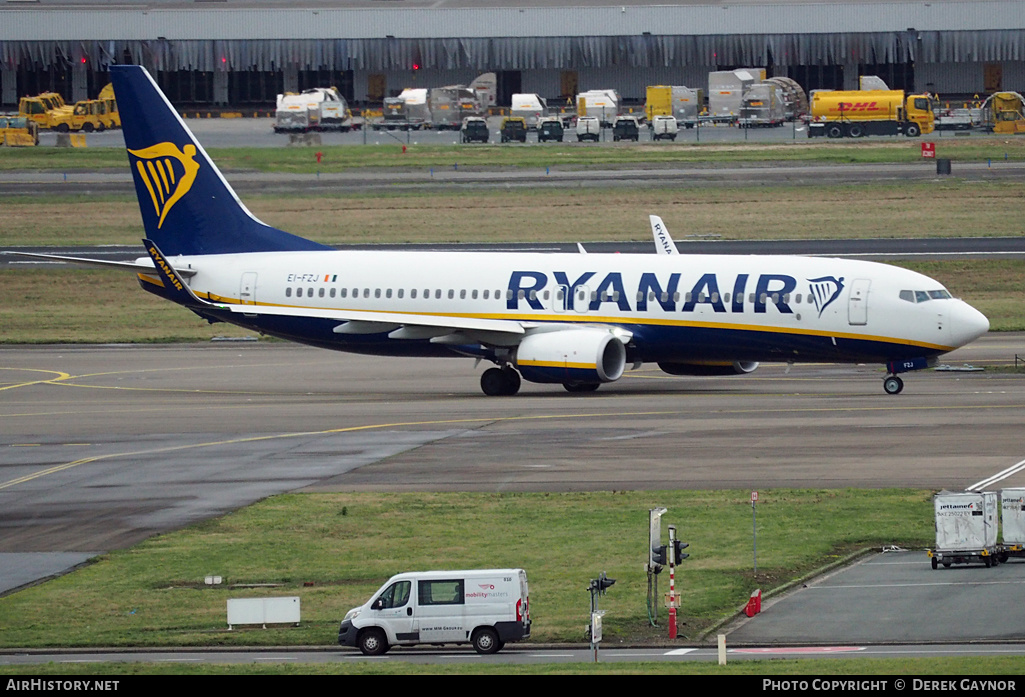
[(945, 208), (339, 158), (334, 550)]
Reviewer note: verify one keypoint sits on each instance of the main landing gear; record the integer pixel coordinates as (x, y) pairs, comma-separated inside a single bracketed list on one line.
[(505, 382), (500, 382)]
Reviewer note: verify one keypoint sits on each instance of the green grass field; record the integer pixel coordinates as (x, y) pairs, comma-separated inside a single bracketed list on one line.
[(946, 208), (346, 157), (334, 550)]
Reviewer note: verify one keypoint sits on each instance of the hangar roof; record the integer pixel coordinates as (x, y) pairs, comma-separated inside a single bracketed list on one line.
[(28, 20)]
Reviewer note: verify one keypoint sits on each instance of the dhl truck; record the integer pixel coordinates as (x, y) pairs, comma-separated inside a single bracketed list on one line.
[(853, 114)]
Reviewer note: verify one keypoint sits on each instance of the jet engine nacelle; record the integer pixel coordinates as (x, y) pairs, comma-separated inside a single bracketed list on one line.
[(734, 368), (583, 355)]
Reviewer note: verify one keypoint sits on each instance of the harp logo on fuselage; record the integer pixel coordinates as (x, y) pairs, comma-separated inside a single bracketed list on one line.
[(167, 173)]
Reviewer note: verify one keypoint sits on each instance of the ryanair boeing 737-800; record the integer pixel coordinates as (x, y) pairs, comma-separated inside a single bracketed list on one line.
[(573, 319)]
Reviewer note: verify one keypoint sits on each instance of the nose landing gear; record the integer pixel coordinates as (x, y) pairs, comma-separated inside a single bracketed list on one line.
[(892, 384)]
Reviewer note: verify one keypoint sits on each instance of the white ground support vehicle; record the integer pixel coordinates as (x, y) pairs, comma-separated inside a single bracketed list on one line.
[(588, 128), (316, 109), (664, 127), (483, 607)]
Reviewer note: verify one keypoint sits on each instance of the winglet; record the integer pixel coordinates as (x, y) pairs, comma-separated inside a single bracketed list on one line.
[(176, 288), (663, 242)]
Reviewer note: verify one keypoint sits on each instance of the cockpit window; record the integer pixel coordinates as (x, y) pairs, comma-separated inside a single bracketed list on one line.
[(921, 296)]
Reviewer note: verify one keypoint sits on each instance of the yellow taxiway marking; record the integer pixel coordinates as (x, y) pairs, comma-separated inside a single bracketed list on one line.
[(476, 420), (60, 375)]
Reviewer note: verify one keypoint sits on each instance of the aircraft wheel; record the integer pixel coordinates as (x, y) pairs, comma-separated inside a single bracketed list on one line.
[(500, 382), (893, 385)]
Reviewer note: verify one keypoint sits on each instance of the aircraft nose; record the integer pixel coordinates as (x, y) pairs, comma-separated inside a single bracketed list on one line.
[(967, 324)]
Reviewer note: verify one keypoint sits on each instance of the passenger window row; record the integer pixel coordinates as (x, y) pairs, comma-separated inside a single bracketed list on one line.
[(438, 293)]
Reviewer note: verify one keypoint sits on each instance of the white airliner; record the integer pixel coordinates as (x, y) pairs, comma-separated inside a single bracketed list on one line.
[(579, 320)]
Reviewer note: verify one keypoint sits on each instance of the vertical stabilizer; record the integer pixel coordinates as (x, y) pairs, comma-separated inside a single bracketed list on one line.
[(187, 206)]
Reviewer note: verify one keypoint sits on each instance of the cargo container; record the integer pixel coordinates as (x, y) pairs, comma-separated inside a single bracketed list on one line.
[(857, 113), (726, 91), (872, 83), (795, 100), (451, 104), (966, 528), (315, 109), (1012, 522), (762, 105), (601, 103), (529, 107), (682, 103), (409, 111)]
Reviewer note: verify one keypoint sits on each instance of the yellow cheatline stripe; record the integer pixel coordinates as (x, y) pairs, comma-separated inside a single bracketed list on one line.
[(591, 319)]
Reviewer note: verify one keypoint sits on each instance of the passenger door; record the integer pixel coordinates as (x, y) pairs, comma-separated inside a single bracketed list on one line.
[(857, 303)]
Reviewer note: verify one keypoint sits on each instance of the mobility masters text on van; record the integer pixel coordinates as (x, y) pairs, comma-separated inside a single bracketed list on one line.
[(483, 607)]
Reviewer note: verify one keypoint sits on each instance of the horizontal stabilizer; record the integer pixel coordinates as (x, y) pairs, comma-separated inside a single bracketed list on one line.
[(134, 266)]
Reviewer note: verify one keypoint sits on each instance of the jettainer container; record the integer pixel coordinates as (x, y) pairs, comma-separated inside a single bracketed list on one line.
[(1012, 520), (966, 528)]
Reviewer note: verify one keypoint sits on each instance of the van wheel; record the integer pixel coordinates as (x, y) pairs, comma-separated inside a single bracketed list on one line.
[(486, 641), (372, 642)]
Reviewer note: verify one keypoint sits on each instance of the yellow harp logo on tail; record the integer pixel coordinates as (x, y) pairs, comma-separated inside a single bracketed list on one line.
[(167, 173)]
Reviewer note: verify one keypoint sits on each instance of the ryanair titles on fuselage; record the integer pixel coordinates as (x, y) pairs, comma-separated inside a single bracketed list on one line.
[(759, 292)]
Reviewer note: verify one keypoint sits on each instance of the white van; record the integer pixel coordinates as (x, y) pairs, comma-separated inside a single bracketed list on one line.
[(483, 607)]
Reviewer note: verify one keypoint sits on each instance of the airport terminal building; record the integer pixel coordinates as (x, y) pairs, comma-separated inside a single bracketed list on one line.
[(244, 52)]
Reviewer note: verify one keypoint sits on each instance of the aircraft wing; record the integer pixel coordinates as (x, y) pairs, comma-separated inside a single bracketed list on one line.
[(363, 322), (136, 266)]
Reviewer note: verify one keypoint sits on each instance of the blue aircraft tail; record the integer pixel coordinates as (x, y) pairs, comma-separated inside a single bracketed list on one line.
[(187, 206)]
